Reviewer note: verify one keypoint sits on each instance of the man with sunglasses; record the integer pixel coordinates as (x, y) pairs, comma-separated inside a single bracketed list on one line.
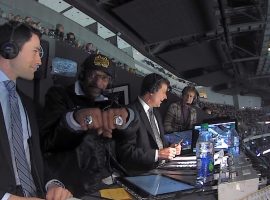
[(76, 127)]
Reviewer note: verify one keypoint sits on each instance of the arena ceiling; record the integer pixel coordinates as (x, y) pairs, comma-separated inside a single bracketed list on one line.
[(222, 44)]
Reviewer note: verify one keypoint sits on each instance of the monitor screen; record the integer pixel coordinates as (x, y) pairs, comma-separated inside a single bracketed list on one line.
[(184, 136), (220, 133), (155, 184)]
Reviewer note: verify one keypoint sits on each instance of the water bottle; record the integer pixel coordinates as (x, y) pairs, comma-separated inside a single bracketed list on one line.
[(234, 147), (205, 157)]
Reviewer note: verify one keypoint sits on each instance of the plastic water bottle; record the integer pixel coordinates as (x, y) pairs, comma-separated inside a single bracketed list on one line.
[(205, 157)]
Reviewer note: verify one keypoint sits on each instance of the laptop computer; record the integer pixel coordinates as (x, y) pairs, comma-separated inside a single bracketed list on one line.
[(220, 131), (185, 137)]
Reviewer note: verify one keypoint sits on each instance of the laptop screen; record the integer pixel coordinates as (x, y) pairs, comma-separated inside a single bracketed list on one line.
[(220, 133), (184, 136)]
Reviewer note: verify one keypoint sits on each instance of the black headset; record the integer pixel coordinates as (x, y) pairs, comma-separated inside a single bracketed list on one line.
[(191, 88), (10, 49)]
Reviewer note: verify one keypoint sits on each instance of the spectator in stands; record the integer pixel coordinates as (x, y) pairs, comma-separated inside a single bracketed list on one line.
[(21, 168), (207, 110), (74, 124), (59, 32), (28, 20), (182, 115), (145, 147), (18, 18), (1, 13), (71, 39), (90, 48)]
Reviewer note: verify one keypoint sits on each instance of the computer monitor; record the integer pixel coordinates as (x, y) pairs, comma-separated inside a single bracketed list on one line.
[(220, 131), (184, 136)]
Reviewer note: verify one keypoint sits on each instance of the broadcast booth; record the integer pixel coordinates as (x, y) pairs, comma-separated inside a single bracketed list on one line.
[(176, 179)]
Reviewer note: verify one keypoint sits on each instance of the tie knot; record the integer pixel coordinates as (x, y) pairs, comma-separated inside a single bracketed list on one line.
[(10, 85), (150, 110)]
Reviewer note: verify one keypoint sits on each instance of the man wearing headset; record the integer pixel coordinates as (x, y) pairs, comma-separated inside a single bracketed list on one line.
[(76, 127), (144, 148), (182, 115), (21, 171)]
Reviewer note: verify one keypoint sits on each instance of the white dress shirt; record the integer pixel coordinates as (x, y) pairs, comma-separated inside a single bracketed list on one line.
[(4, 100), (146, 108)]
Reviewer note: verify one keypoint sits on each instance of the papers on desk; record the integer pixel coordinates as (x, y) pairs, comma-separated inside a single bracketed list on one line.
[(217, 155), (115, 193), (180, 158), (180, 162), (218, 158)]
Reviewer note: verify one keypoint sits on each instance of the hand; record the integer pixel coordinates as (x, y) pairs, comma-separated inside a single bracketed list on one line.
[(177, 147), (58, 193), (166, 153), (103, 121), (108, 117), (96, 115)]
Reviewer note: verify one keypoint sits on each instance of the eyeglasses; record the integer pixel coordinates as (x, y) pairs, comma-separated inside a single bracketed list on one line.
[(103, 77), (41, 52)]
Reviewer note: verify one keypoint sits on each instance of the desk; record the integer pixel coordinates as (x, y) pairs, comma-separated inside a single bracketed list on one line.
[(188, 176), (215, 192)]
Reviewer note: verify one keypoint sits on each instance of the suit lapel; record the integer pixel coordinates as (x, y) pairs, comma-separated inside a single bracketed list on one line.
[(145, 120), (4, 142)]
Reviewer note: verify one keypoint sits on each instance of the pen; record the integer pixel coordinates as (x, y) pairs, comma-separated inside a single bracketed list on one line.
[(179, 143)]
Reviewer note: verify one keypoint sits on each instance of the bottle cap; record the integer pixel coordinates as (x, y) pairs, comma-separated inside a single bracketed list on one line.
[(205, 126)]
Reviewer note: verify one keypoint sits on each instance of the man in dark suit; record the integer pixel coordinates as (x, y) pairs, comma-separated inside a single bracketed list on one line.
[(145, 147), (21, 168)]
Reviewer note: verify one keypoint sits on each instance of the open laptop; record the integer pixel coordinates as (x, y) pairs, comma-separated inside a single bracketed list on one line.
[(220, 131), (185, 137)]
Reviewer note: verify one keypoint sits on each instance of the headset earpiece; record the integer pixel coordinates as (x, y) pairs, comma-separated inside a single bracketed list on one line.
[(10, 49)]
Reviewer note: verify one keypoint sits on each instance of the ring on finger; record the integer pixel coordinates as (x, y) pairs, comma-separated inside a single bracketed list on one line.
[(118, 120), (88, 120)]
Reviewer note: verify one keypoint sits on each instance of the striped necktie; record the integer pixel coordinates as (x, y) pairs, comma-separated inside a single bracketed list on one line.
[(22, 166), (155, 128)]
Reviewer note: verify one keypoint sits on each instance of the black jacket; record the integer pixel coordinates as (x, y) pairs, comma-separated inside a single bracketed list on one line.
[(136, 150), (83, 154)]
